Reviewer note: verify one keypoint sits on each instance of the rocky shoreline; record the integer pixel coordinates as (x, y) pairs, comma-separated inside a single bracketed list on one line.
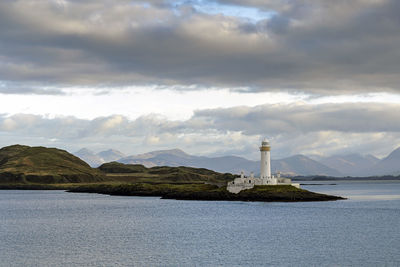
[(279, 193), (283, 193)]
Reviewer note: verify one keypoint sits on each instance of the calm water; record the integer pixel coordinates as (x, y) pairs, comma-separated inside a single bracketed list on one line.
[(54, 228)]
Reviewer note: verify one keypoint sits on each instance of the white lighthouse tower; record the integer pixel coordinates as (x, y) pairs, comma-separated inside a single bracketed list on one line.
[(265, 149), (243, 182)]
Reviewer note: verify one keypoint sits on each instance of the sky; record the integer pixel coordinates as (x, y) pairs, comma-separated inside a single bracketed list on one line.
[(212, 78)]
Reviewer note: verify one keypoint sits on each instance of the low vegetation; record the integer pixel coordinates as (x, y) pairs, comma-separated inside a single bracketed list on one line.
[(24, 164), (39, 165), (162, 174), (24, 167), (116, 167), (206, 192)]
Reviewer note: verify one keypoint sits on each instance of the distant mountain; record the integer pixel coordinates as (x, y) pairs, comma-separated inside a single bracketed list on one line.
[(357, 165), (89, 157), (172, 157), (387, 166), (302, 165), (296, 165), (337, 165), (351, 164), (24, 164), (161, 153), (110, 155)]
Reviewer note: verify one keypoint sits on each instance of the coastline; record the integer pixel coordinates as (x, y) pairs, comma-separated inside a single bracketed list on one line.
[(277, 193)]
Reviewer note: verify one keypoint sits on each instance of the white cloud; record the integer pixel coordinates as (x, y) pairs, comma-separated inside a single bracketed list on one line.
[(8, 124), (111, 123), (134, 102), (293, 128)]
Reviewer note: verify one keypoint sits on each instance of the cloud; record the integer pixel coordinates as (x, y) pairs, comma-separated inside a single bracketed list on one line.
[(293, 128), (21, 88), (323, 47), (302, 118)]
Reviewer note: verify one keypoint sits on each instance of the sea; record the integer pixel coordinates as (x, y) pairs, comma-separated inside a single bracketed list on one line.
[(56, 228)]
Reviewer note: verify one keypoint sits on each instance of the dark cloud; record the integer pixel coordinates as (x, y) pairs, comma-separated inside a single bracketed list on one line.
[(326, 47), (21, 88)]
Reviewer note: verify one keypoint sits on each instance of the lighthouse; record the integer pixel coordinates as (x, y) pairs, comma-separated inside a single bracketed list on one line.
[(265, 160), (243, 182)]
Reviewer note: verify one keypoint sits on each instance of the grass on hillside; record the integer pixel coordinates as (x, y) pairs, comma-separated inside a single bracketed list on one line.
[(206, 192), (43, 165), (135, 173)]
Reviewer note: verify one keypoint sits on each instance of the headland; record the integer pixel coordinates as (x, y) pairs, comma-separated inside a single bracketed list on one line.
[(40, 168)]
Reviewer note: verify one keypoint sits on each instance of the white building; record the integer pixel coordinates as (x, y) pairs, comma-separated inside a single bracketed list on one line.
[(242, 183)]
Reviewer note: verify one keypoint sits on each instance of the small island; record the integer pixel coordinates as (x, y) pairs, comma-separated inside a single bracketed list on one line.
[(279, 193), (40, 168)]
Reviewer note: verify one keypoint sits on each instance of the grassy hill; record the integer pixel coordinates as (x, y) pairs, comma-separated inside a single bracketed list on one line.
[(24, 167), (40, 165), (24, 164), (162, 174)]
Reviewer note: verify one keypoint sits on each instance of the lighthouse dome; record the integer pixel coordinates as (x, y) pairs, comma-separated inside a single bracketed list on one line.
[(265, 143)]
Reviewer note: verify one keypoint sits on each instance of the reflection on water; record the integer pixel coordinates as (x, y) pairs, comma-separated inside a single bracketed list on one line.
[(357, 190), (375, 197), (55, 228)]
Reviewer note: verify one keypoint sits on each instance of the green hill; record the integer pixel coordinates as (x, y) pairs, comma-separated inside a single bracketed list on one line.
[(24, 167), (116, 167), (24, 164), (162, 174), (40, 165)]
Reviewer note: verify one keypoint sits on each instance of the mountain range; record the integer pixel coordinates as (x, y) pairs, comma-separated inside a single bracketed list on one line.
[(388, 165), (95, 160), (337, 165)]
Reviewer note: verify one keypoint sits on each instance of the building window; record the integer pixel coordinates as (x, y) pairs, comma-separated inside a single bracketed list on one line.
[(249, 181)]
